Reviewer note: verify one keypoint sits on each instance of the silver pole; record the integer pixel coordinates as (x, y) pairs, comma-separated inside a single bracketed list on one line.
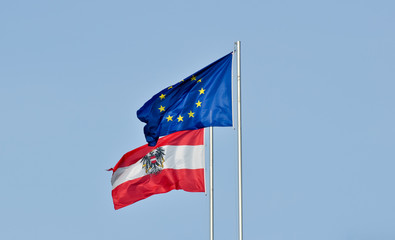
[(211, 187), (239, 141)]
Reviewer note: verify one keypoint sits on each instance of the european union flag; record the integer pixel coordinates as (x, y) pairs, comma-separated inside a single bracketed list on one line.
[(201, 100)]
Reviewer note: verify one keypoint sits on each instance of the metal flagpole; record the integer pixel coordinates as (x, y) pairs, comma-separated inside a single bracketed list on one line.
[(211, 187), (239, 141)]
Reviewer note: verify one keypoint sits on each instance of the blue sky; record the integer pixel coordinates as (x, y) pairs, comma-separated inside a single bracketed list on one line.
[(318, 117)]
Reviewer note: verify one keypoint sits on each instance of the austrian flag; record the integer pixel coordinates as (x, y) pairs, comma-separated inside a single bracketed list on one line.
[(176, 162)]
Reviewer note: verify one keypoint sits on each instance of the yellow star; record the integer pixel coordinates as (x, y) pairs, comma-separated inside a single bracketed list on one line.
[(170, 87), (202, 91), (180, 118), (162, 96), (198, 104), (200, 80), (169, 118), (191, 114), (162, 108), (193, 78)]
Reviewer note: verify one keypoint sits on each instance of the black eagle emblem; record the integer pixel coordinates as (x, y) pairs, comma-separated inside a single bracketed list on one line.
[(153, 161)]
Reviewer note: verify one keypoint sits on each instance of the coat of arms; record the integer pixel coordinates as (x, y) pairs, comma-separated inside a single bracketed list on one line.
[(153, 161)]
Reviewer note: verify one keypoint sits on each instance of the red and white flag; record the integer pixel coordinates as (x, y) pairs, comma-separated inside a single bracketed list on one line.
[(176, 162)]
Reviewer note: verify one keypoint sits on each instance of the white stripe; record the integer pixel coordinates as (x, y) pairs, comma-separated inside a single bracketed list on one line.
[(176, 157)]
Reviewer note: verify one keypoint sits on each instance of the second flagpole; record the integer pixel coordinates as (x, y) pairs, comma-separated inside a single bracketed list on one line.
[(211, 186)]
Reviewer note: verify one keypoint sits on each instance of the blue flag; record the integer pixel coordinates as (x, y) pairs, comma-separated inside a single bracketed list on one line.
[(201, 100)]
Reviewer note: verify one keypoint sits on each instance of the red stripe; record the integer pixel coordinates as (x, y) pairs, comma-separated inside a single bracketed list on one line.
[(189, 137), (190, 180)]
